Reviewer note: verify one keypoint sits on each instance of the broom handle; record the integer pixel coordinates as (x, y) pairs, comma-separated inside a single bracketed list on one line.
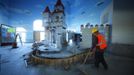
[(93, 51), (86, 56)]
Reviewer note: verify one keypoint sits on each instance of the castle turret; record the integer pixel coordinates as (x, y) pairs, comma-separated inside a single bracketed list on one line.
[(59, 7), (47, 23), (59, 15), (46, 16), (46, 10)]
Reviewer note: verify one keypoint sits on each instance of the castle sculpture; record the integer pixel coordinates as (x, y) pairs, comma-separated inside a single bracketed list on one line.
[(55, 26)]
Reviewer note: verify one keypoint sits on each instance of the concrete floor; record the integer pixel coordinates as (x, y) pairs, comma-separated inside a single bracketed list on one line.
[(120, 63)]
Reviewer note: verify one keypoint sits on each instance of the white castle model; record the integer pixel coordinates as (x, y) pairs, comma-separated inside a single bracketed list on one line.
[(54, 23)]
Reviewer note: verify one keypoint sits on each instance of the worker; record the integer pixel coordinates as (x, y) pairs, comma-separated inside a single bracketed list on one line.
[(98, 47)]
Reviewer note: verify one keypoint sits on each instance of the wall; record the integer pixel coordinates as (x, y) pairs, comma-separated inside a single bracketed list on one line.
[(120, 16), (86, 37), (107, 15), (29, 36), (4, 15), (123, 22)]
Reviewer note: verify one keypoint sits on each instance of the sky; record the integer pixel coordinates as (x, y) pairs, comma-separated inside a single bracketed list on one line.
[(25, 12)]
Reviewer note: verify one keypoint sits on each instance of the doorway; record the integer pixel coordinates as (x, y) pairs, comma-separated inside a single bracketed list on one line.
[(22, 33)]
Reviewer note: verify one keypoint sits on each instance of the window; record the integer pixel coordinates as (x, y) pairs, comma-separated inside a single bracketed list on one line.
[(61, 17), (57, 18), (105, 18), (38, 26)]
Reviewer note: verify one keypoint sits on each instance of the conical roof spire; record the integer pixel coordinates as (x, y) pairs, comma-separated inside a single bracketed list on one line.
[(46, 10), (59, 3)]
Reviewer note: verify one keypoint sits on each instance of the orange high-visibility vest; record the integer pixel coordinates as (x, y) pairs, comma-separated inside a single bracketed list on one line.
[(101, 41)]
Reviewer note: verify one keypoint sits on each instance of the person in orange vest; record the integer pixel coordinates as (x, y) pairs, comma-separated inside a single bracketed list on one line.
[(99, 46)]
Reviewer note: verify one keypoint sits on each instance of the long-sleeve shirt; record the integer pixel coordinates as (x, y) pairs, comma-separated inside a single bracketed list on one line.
[(94, 41)]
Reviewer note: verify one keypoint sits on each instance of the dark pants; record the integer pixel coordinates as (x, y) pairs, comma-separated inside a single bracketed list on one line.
[(99, 58)]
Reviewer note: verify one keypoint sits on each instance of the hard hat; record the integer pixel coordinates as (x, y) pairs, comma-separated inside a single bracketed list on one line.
[(94, 30)]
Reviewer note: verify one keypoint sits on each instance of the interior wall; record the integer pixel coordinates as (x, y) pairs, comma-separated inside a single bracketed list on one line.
[(22, 14), (29, 36), (123, 22), (4, 15), (107, 15)]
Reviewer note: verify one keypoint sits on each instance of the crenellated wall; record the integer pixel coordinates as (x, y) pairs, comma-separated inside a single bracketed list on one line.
[(87, 34)]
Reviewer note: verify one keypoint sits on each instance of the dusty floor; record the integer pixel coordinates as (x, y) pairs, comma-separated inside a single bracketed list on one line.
[(12, 63)]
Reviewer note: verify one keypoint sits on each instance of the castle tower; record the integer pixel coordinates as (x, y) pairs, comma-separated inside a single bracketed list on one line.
[(59, 6), (46, 23), (59, 22), (59, 15)]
